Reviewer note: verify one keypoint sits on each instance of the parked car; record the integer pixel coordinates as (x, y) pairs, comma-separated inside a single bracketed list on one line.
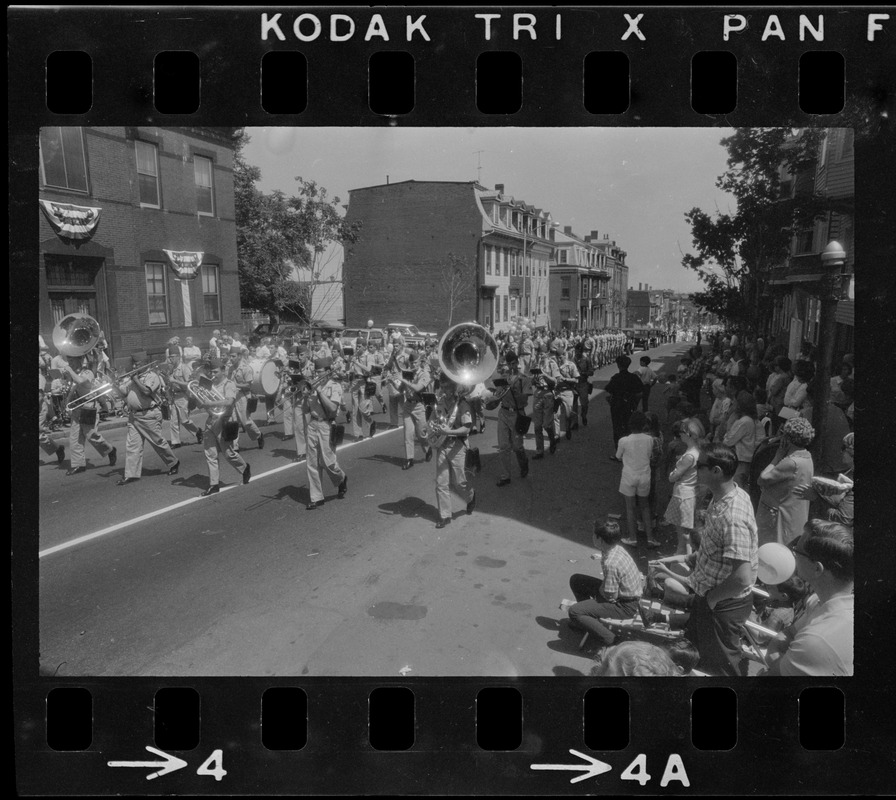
[(413, 336), (349, 336)]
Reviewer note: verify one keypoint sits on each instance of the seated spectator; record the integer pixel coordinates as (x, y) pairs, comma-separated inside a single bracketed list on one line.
[(615, 595), (821, 643), (636, 659), (840, 504)]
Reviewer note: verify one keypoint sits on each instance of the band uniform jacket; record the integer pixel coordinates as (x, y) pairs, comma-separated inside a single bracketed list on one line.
[(313, 407)]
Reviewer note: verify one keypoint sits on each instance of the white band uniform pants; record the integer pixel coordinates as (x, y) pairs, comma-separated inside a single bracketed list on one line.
[(543, 418), (320, 457), (509, 440), (213, 444), (294, 421), (180, 415), (145, 426), (451, 474), (563, 412), (415, 427), (241, 412), (362, 410), (78, 434)]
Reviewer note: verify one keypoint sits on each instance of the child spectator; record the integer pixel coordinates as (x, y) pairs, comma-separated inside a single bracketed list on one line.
[(682, 505), (635, 451), (636, 659), (786, 604), (615, 594), (648, 379), (656, 459)]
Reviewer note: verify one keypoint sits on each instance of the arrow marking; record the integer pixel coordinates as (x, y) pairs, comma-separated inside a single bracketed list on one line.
[(170, 764), (592, 768)]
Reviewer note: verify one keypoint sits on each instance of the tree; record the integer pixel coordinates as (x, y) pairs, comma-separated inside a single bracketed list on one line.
[(277, 235), (737, 250), (457, 278)]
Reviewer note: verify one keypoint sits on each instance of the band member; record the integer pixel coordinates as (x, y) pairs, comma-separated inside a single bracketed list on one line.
[(543, 383), (362, 406), (143, 400), (431, 356), (242, 377), (512, 401), (394, 349), (567, 379), (321, 405), (44, 414), (299, 369), (376, 362), (85, 419), (414, 379), (454, 421), (585, 367), (180, 401), (526, 353), (213, 439)]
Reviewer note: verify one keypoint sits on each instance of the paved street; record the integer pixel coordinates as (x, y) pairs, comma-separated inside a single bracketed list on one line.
[(247, 582)]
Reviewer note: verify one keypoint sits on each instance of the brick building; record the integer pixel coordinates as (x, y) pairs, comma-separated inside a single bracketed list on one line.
[(580, 280), (124, 214), (617, 289), (795, 286), (400, 269), (638, 308)]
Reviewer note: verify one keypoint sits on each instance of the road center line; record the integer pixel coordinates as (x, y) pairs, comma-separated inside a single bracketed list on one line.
[(127, 523)]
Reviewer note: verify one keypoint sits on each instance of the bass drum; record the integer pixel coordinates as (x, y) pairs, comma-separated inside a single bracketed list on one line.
[(265, 376)]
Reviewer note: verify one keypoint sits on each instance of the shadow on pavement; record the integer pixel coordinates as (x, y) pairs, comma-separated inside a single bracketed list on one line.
[(411, 508)]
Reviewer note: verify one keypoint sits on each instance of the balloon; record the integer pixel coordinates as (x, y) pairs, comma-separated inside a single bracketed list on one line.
[(776, 563), (370, 323)]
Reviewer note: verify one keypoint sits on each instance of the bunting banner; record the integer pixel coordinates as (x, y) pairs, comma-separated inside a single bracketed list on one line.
[(71, 222), (185, 263)]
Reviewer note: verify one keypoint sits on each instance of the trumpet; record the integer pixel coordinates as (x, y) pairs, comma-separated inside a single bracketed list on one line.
[(209, 394)]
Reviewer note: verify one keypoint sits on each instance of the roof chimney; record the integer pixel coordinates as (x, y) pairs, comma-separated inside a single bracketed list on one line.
[(499, 187), (639, 287), (387, 180), (567, 229), (594, 235)]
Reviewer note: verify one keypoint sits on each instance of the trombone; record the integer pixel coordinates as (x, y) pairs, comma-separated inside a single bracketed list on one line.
[(106, 388)]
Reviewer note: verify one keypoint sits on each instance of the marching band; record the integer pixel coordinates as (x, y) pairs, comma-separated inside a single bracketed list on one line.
[(435, 393)]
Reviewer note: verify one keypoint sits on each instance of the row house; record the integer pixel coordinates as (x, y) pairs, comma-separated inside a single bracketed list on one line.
[(579, 282), (617, 290), (137, 229), (795, 287), (435, 253)]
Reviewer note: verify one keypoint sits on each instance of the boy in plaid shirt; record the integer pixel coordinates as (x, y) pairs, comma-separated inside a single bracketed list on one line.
[(615, 595)]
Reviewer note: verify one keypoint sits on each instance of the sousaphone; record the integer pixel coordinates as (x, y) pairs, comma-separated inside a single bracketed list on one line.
[(76, 335)]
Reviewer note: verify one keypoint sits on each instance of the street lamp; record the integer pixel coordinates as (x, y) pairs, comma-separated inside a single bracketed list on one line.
[(833, 257)]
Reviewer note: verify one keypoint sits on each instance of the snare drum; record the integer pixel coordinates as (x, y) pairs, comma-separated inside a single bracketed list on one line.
[(265, 376)]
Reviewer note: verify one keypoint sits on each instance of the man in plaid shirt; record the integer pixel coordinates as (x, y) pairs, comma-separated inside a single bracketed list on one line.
[(614, 596), (725, 567)]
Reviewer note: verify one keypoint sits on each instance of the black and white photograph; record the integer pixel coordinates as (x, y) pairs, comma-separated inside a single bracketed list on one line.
[(561, 401), (453, 401)]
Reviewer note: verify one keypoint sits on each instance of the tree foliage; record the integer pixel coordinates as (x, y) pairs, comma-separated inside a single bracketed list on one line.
[(277, 235), (457, 278), (736, 250)]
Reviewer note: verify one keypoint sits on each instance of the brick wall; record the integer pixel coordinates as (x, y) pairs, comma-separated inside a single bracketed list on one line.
[(392, 272), (132, 235)]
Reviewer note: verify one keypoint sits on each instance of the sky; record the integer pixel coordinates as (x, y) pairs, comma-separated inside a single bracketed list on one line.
[(634, 184)]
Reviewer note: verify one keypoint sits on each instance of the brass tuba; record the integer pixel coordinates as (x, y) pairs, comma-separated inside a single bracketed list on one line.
[(76, 335), (209, 394), (468, 354)]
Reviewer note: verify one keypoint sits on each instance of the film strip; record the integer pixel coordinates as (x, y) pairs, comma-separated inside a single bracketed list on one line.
[(462, 67)]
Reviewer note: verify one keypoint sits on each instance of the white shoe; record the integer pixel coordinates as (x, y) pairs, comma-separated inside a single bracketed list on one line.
[(565, 604)]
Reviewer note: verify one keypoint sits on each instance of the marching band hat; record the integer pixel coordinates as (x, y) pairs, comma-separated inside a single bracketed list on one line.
[(510, 357), (412, 356), (215, 363), (557, 346), (321, 364)]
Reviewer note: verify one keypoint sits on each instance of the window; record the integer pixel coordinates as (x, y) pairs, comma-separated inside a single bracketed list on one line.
[(488, 264), (62, 158), (205, 188), (803, 241), (506, 315), (148, 174), (513, 264), (506, 265), (564, 288), (211, 297), (156, 295)]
